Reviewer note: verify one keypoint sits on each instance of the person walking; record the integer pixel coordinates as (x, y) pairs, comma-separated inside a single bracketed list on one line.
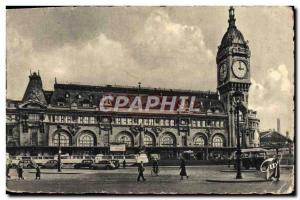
[(275, 175), (7, 171), (155, 167), (183, 169), (38, 173), (20, 172), (141, 170), (124, 164)]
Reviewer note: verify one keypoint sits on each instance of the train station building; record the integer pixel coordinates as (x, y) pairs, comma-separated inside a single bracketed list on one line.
[(70, 114)]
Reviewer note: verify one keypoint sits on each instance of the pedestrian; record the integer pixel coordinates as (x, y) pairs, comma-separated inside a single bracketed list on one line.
[(183, 169), (7, 171), (124, 164), (20, 172), (155, 167), (272, 168), (38, 172), (141, 170), (275, 176)]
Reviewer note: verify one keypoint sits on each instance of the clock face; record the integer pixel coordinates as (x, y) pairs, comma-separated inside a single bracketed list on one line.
[(223, 72), (239, 69)]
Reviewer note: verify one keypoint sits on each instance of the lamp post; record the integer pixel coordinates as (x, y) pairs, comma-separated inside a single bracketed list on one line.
[(59, 150), (141, 129), (237, 100)]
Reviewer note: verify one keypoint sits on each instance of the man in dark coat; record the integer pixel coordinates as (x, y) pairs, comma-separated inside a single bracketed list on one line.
[(7, 171), (155, 166), (183, 169), (124, 164), (38, 172), (20, 172), (275, 176), (141, 170)]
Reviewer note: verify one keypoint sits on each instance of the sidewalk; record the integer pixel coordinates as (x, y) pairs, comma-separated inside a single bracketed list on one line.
[(234, 180), (251, 176)]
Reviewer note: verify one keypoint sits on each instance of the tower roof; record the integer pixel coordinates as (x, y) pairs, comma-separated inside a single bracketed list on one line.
[(233, 35), (34, 90)]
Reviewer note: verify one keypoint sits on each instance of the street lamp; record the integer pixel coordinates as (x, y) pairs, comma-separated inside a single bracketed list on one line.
[(238, 106), (59, 150), (141, 129)]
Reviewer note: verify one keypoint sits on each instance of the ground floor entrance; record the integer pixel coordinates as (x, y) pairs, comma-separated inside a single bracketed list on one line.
[(192, 154)]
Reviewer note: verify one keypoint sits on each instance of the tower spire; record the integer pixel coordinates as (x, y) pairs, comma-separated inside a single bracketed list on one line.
[(231, 20)]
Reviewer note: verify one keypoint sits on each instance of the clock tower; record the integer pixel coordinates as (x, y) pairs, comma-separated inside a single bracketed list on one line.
[(233, 68)]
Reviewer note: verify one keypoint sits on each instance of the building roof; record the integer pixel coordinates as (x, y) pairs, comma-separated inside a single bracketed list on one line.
[(233, 36), (69, 94), (273, 138)]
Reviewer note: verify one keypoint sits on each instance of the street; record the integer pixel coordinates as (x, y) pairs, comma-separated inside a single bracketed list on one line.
[(123, 181)]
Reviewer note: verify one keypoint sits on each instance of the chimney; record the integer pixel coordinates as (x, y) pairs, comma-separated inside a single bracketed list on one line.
[(278, 125), (287, 134)]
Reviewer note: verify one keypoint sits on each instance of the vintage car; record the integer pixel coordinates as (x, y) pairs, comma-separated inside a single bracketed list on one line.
[(116, 163), (50, 164), (104, 164), (87, 163), (250, 158), (27, 164)]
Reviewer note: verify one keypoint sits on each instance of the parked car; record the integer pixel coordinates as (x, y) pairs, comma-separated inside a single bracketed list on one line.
[(27, 164), (116, 163), (104, 164), (84, 164), (250, 157), (50, 164)]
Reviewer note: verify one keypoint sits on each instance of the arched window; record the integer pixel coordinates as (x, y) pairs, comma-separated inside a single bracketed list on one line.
[(199, 141), (168, 140), (218, 141), (86, 140), (125, 139), (148, 140), (64, 140)]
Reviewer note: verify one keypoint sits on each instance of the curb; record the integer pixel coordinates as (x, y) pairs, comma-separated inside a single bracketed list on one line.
[(231, 170), (58, 172), (236, 180)]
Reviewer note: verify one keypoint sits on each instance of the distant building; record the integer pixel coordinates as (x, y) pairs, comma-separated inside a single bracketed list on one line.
[(274, 140)]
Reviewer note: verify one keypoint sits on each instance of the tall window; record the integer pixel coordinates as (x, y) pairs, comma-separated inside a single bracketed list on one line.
[(34, 139), (125, 139), (199, 141), (168, 140), (64, 140), (86, 140), (148, 140), (218, 141)]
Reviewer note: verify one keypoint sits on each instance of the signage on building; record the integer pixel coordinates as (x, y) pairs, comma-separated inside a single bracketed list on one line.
[(117, 147)]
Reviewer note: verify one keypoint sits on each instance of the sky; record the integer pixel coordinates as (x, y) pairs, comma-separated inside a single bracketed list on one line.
[(169, 47)]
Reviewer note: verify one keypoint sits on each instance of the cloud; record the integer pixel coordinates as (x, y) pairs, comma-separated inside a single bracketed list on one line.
[(167, 49), (99, 61), (160, 51), (272, 97)]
